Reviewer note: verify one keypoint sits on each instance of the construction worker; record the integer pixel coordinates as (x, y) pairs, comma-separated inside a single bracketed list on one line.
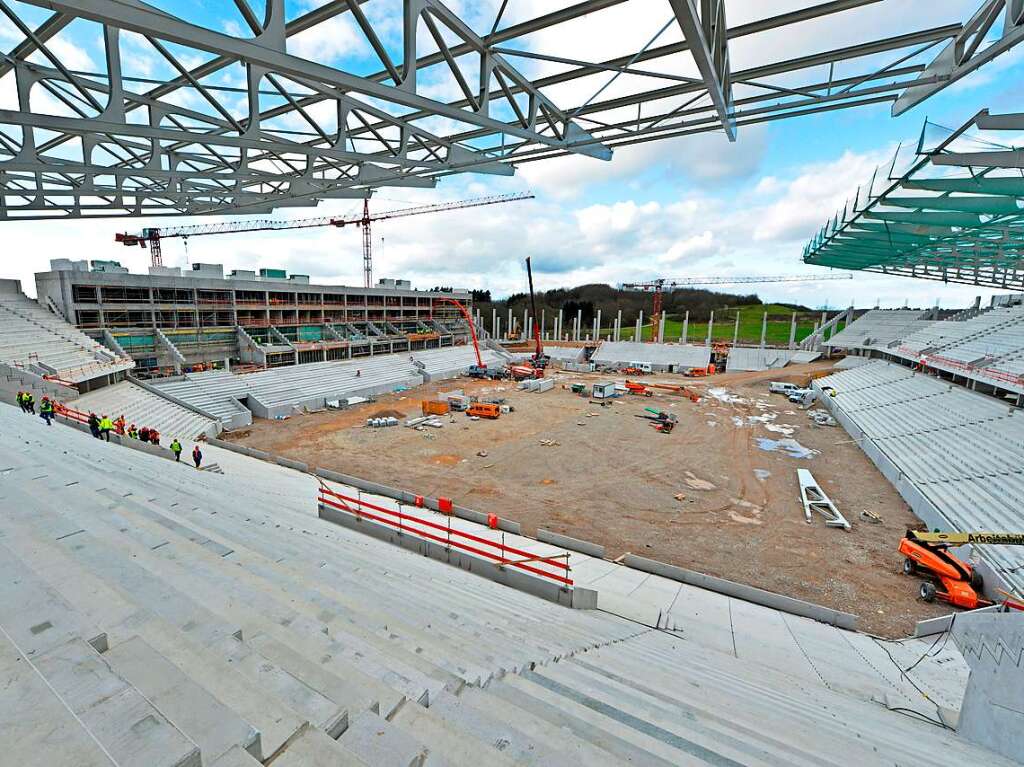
[(144, 434), (176, 449), (21, 401), (197, 455), (154, 437), (46, 410), (119, 425), (106, 426), (359, 373), (94, 425), (133, 432), (30, 403)]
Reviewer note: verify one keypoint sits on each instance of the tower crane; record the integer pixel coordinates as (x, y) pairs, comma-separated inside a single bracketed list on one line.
[(660, 285), (152, 237)]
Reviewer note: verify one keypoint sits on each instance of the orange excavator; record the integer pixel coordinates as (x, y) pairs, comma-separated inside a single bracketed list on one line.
[(948, 577)]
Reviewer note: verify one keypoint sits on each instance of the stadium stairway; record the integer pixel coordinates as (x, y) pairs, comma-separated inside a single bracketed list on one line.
[(142, 407), (30, 334), (163, 616)]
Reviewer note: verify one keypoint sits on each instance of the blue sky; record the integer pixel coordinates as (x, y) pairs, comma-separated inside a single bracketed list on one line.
[(694, 205)]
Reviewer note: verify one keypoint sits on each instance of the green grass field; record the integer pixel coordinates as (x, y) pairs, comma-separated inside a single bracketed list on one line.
[(777, 332)]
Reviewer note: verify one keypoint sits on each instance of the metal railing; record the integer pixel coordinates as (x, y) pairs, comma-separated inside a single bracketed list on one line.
[(495, 551)]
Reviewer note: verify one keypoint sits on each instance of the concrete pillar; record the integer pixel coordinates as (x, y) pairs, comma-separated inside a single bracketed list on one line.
[(792, 332), (508, 327), (558, 327), (736, 330), (543, 325), (764, 328), (593, 332), (597, 335), (661, 328), (711, 323), (639, 330), (494, 322), (686, 326), (525, 319), (529, 327), (618, 326), (497, 328), (579, 323)]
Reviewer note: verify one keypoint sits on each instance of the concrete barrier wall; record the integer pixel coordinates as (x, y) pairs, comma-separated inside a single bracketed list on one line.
[(507, 576), (133, 444), (216, 429), (573, 544), (744, 592)]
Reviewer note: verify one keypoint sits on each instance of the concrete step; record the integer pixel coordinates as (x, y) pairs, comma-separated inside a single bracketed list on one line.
[(107, 607), (526, 732), (313, 748), (207, 721), (37, 727), (132, 727), (34, 616), (378, 741), (445, 740), (236, 757)]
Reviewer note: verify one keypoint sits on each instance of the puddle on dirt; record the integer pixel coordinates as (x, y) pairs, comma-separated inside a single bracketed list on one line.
[(695, 483), (752, 508), (446, 459), (762, 474), (789, 446)]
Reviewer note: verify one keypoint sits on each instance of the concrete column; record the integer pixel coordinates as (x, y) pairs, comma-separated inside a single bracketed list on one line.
[(558, 327), (497, 329), (736, 330), (661, 328), (639, 329), (792, 332), (593, 331), (529, 327), (579, 323), (711, 324), (543, 325), (576, 329), (494, 321), (597, 335), (508, 327), (686, 326), (618, 326), (764, 328), (525, 320)]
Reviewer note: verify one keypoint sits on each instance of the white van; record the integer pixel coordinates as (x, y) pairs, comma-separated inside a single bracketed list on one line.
[(642, 366), (778, 387)]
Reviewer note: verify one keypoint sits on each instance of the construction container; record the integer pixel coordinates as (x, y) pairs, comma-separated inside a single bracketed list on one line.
[(544, 384), (603, 390), (434, 407), (484, 410), (458, 402)]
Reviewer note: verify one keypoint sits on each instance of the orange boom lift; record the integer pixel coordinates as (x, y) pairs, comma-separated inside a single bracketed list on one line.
[(949, 578)]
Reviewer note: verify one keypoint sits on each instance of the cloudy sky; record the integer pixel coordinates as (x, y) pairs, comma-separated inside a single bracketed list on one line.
[(695, 205)]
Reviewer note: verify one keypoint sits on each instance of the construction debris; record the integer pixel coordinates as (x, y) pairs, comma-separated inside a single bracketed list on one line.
[(822, 417), (814, 499), (870, 516)]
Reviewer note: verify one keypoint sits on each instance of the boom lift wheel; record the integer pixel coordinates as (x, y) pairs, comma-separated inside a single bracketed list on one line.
[(927, 591), (977, 582), (909, 566)]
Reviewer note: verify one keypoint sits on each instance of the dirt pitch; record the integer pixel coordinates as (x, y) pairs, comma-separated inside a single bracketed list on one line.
[(708, 496)]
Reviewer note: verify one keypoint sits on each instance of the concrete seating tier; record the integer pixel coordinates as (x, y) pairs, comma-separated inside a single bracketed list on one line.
[(142, 407), (31, 335), (278, 391), (662, 357), (962, 451), (878, 328), (155, 615), (756, 358)]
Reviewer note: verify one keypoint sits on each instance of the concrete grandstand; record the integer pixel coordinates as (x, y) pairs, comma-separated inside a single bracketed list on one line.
[(239, 627)]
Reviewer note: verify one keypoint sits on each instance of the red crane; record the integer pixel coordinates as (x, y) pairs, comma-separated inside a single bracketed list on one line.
[(660, 285), (153, 236)]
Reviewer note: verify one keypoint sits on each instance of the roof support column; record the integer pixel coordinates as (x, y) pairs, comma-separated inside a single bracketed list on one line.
[(707, 38)]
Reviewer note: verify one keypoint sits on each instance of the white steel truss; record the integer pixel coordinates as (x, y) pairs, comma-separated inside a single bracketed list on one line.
[(227, 117)]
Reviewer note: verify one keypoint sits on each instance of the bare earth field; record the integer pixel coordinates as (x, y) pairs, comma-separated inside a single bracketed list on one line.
[(612, 479)]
